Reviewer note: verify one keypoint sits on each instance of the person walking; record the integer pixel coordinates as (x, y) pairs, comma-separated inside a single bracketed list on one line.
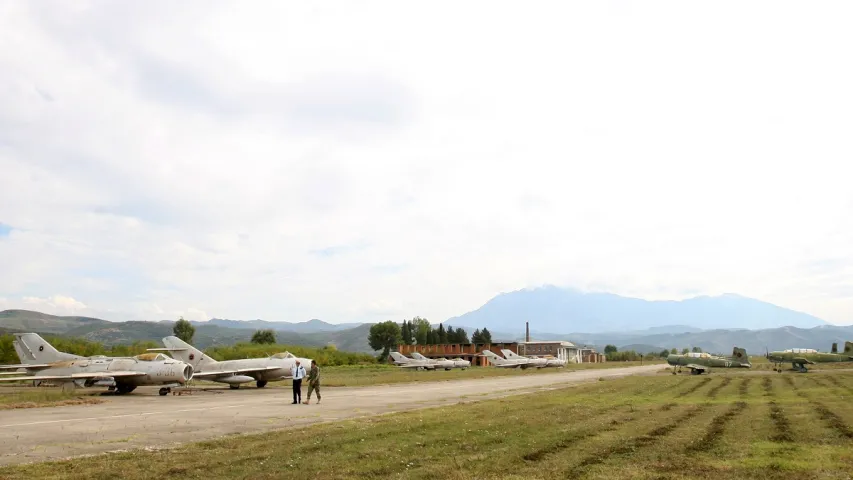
[(313, 381), (298, 373)]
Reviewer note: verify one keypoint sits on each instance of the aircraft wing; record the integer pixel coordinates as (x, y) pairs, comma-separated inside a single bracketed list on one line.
[(31, 367), (236, 371), (694, 366), (167, 349), (803, 360), (74, 376)]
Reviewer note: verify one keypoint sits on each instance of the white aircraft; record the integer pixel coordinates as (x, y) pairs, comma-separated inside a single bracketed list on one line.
[(555, 362), (459, 363), (438, 362), (44, 363), (233, 372), (405, 362), (531, 361), (501, 362)]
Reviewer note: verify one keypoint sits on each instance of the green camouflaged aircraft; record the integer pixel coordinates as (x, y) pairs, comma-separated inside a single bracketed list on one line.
[(700, 363), (799, 357)]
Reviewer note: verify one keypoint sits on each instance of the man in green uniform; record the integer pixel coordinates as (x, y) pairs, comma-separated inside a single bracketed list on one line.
[(313, 381)]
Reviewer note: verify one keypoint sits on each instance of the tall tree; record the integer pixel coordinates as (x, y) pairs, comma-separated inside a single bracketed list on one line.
[(697, 350), (610, 349), (476, 337), (664, 353), (384, 336), (420, 329), (184, 330), (451, 335), (264, 336), (487, 335), (406, 332), (441, 334), (462, 336)]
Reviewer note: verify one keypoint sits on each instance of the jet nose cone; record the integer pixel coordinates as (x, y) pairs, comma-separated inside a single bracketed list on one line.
[(188, 372)]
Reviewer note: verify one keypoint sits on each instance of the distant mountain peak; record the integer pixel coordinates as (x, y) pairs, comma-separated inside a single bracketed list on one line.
[(561, 310)]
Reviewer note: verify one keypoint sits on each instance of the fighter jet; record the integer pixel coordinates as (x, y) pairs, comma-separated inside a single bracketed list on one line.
[(405, 362), (531, 361), (799, 357), (459, 363), (500, 362), (701, 362), (43, 362), (553, 361), (438, 362), (233, 372)]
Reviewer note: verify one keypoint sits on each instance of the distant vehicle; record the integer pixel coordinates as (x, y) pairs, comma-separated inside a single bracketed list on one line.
[(799, 357), (44, 363), (532, 361), (403, 361), (700, 362), (501, 362), (233, 372)]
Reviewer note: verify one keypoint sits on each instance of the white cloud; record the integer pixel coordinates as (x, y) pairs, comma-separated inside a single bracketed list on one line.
[(57, 304), (388, 160)]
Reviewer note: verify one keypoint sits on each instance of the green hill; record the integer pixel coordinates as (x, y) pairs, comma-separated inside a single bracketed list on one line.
[(30, 321)]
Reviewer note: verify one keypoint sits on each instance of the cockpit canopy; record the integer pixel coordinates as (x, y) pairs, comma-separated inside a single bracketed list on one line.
[(801, 350), (151, 357), (284, 355), (698, 355)]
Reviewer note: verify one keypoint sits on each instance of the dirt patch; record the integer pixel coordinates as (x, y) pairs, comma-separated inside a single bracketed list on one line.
[(743, 388), (699, 385), (834, 421), (58, 403), (718, 425), (713, 392), (790, 382), (767, 384), (783, 426), (631, 444)]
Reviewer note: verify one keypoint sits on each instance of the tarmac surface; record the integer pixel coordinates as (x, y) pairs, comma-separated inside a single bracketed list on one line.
[(143, 419)]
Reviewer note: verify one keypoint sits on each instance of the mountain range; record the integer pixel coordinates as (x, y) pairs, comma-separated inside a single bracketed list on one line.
[(714, 324), (565, 310)]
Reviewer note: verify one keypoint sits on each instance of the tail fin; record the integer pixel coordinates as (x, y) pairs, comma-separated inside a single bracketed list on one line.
[(33, 349), (399, 357), (834, 348), (185, 352), (509, 354), (740, 354), (418, 356), (493, 357), (848, 347)]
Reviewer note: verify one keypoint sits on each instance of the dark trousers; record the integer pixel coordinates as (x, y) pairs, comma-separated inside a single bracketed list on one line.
[(297, 391)]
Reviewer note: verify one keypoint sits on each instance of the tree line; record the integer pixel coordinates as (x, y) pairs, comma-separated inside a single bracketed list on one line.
[(418, 331), (613, 354)]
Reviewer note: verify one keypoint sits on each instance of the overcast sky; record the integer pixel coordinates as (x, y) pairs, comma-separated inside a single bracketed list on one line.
[(364, 161)]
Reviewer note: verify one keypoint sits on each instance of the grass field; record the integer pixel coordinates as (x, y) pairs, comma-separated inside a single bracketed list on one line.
[(722, 426), (12, 397)]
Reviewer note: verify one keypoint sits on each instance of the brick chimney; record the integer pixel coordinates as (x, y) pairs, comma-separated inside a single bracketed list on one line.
[(526, 331)]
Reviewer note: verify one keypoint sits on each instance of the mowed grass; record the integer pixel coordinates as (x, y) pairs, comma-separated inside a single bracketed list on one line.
[(722, 426), (29, 397), (363, 375)]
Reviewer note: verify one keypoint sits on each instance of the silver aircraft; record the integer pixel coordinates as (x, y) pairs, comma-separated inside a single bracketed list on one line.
[(44, 363), (438, 362), (403, 361), (233, 372), (501, 362), (531, 361)]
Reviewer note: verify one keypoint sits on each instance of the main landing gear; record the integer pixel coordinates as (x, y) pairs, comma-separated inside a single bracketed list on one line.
[(261, 383)]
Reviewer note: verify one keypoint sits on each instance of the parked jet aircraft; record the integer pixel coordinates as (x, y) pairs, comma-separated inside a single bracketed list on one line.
[(438, 362), (43, 362), (532, 361), (503, 362), (699, 363), (233, 372), (554, 361), (405, 362), (799, 357), (459, 363)]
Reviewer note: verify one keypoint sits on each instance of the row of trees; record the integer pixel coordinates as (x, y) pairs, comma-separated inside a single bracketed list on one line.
[(185, 330), (613, 353), (418, 331)]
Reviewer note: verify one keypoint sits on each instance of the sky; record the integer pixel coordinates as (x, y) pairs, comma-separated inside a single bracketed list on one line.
[(375, 160)]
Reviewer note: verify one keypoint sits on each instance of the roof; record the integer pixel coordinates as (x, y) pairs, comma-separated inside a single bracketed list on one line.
[(562, 343)]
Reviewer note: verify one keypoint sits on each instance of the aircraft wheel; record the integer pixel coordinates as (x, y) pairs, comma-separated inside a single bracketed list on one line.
[(123, 389), (233, 386), (164, 391), (262, 383)]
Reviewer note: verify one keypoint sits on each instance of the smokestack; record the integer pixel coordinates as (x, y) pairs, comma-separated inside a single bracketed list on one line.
[(526, 331)]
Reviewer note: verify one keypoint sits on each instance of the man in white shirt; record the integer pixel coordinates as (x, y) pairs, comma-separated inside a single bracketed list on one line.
[(298, 373)]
